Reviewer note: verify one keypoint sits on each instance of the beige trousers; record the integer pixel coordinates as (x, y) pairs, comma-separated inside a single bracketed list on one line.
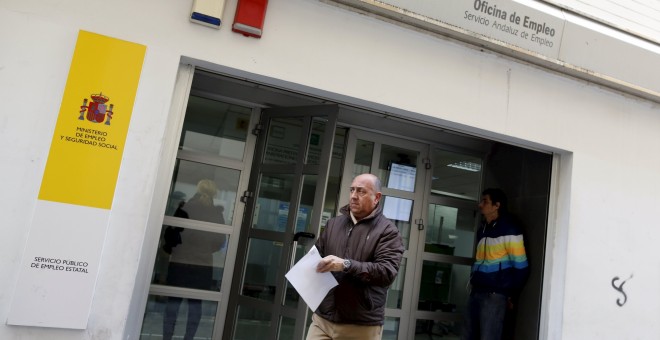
[(322, 329)]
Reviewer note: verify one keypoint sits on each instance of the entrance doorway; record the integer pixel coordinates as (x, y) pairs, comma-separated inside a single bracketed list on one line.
[(283, 163)]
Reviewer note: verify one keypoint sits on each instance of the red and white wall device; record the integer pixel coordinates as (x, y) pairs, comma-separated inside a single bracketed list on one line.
[(249, 18)]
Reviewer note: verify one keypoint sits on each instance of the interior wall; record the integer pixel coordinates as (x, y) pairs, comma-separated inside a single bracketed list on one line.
[(524, 175)]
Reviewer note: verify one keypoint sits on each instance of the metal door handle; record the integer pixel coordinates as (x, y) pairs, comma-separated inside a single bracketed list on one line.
[(304, 234), (420, 224)]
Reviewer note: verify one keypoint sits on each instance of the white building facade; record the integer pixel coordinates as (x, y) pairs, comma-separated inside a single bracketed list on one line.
[(434, 101)]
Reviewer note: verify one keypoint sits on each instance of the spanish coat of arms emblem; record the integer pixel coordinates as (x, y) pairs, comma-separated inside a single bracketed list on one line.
[(97, 111)]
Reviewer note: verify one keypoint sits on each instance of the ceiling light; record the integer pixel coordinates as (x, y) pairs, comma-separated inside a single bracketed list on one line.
[(464, 165)]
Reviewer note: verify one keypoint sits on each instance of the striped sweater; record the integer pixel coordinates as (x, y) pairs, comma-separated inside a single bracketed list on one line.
[(500, 263)]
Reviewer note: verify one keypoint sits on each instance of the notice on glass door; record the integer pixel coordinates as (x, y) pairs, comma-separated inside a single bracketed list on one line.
[(402, 177)]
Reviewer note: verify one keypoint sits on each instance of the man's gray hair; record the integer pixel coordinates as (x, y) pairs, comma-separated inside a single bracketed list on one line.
[(377, 184), (375, 181)]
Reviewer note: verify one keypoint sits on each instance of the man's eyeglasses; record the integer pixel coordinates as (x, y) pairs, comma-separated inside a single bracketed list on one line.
[(360, 191)]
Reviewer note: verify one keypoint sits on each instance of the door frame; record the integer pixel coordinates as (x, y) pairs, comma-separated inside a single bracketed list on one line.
[(559, 196)]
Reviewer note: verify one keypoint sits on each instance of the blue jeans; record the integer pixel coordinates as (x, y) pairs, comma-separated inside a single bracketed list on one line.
[(485, 316)]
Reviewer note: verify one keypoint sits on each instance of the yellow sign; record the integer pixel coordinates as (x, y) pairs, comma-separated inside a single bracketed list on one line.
[(88, 142)]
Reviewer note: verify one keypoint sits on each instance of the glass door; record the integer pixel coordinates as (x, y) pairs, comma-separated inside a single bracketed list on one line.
[(431, 194), (192, 268), (284, 202), (401, 166), (446, 246)]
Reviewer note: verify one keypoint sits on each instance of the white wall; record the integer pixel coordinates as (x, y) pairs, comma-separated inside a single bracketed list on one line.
[(607, 214)]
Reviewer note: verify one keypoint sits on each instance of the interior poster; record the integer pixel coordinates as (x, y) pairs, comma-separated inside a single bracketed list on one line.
[(61, 261)]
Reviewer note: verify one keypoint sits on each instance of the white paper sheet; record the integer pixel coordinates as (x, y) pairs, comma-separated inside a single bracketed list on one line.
[(311, 286)]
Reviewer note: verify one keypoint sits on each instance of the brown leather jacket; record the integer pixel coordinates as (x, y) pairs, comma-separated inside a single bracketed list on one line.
[(375, 248)]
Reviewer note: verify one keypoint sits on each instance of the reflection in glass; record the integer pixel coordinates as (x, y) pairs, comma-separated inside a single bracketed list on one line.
[(160, 322), (291, 296), (395, 292), (399, 210), (190, 258), (308, 322), (456, 175), (442, 287), (397, 168), (203, 192), (287, 327), (334, 177), (261, 270), (304, 215), (437, 329), (450, 230), (364, 151), (283, 141), (316, 140), (215, 127), (272, 211), (251, 324), (390, 328)]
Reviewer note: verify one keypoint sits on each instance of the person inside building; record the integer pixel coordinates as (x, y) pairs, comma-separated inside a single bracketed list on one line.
[(499, 271), (191, 256), (363, 250)]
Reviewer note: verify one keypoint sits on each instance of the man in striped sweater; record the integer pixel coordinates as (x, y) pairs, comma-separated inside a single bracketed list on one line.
[(499, 271)]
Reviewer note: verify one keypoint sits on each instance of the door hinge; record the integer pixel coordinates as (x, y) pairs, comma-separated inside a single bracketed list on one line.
[(427, 163), (257, 129), (420, 224), (246, 195)]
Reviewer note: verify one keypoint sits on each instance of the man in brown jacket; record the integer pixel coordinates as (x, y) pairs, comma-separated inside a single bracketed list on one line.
[(363, 250)]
